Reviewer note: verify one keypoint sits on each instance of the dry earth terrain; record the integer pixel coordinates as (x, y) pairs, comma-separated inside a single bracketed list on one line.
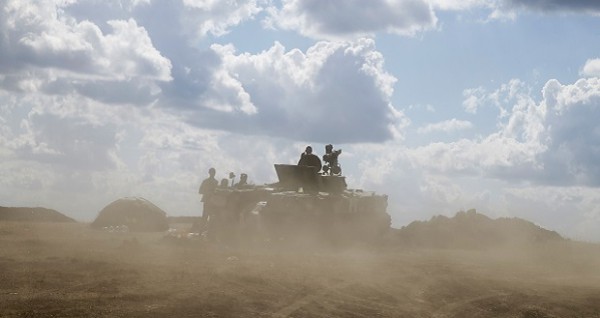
[(70, 270)]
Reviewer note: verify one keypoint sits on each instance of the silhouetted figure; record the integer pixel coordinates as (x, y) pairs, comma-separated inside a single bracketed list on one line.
[(243, 181), (332, 167), (307, 158), (232, 179), (207, 190), (224, 183)]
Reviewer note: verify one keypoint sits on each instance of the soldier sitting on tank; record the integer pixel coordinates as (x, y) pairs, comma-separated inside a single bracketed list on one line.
[(224, 183), (309, 181), (331, 167), (243, 181), (307, 158)]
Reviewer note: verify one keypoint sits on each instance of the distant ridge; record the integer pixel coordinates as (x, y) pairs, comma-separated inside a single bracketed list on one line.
[(472, 230), (32, 215)]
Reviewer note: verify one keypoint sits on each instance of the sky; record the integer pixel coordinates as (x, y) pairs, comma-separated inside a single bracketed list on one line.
[(443, 105)]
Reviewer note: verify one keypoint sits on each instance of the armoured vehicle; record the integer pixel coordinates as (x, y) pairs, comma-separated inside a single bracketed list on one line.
[(302, 205)]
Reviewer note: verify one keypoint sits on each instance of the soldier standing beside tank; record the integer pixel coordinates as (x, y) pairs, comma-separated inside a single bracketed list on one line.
[(207, 189)]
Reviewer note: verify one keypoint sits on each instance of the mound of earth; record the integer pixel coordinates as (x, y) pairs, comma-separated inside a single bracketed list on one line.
[(138, 214), (32, 215), (473, 230)]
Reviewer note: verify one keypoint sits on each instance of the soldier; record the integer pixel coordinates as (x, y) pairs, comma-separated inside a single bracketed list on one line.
[(243, 181), (224, 183), (332, 167), (307, 158), (207, 189)]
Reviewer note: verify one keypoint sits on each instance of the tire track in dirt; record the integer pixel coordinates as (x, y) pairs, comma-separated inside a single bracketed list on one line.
[(306, 300), (333, 296), (449, 310)]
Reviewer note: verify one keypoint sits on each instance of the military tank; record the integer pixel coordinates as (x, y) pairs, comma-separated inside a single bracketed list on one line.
[(303, 205)]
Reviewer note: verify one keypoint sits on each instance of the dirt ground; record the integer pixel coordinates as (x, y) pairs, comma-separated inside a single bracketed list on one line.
[(70, 270)]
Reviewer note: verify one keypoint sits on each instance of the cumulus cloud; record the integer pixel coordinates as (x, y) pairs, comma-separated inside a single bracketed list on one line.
[(554, 141), (507, 94), (192, 19), (513, 151), (54, 147), (474, 99), (332, 88), (591, 68), (71, 133), (37, 34), (446, 126), (45, 49), (216, 17), (48, 139), (350, 19), (333, 92), (459, 4), (574, 135)]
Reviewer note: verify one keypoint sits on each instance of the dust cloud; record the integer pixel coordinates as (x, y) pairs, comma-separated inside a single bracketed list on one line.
[(465, 266)]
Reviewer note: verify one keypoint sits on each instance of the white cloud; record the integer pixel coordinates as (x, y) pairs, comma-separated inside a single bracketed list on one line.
[(38, 34), (508, 94), (131, 53), (514, 148), (226, 93), (583, 93), (474, 99), (459, 4), (428, 107), (446, 126), (216, 17), (591, 68), (71, 133), (517, 149), (332, 84), (45, 49), (574, 135), (333, 92), (350, 19)]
